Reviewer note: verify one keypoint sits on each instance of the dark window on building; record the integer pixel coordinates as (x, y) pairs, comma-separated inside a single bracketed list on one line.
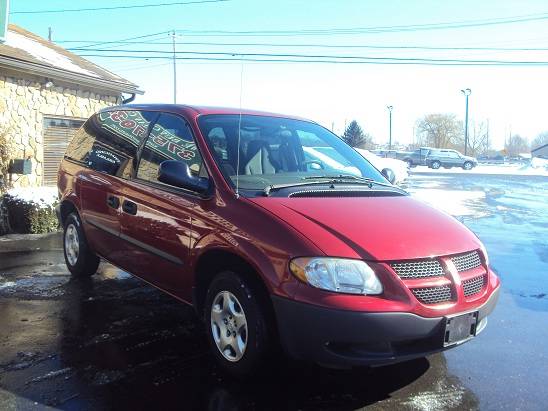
[(108, 141), (58, 132), (169, 139)]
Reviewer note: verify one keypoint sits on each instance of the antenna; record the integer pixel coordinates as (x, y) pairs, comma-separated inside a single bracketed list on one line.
[(174, 70), (239, 128)]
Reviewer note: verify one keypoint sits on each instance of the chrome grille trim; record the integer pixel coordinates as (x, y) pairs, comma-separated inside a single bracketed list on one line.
[(473, 285), (418, 269), (433, 295), (467, 261)]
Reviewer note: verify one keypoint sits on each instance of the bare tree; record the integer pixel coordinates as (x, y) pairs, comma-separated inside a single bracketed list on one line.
[(355, 136), (478, 138), (7, 151), (440, 130), (540, 140), (516, 145)]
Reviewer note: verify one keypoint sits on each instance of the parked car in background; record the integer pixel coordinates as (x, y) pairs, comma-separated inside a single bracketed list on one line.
[(221, 209), (386, 153), (415, 158), (399, 168), (447, 158), (497, 159), (327, 158)]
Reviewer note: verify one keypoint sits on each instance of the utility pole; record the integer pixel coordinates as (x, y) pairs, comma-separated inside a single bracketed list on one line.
[(467, 93), (174, 70), (389, 127)]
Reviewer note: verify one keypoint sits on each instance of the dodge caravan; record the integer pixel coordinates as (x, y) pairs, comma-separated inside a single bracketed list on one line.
[(228, 211)]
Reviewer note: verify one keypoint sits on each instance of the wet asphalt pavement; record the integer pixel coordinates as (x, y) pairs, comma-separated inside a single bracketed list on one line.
[(113, 342)]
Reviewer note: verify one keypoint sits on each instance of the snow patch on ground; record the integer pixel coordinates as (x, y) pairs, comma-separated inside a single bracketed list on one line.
[(44, 53), (455, 203), (537, 167), (42, 196)]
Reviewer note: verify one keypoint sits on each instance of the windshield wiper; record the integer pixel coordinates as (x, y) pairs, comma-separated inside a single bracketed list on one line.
[(337, 178), (331, 179)]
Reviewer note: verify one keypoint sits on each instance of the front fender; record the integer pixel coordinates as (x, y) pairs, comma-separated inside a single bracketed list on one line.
[(271, 266)]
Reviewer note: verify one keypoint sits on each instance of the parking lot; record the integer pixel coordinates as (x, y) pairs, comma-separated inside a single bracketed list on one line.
[(113, 342)]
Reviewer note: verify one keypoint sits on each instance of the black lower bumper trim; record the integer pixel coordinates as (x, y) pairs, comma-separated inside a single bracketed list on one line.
[(347, 338)]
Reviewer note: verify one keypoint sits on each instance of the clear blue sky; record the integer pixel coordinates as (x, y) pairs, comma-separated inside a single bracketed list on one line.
[(511, 98)]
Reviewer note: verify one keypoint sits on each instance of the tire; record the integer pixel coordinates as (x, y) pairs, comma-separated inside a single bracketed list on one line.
[(80, 260), (435, 164), (243, 352), (467, 165)]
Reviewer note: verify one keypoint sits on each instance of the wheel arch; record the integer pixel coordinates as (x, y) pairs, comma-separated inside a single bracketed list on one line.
[(65, 209), (216, 260)]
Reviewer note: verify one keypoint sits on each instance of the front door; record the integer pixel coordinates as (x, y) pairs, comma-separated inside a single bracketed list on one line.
[(156, 218)]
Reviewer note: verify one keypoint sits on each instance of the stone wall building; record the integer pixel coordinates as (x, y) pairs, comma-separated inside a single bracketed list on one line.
[(46, 93)]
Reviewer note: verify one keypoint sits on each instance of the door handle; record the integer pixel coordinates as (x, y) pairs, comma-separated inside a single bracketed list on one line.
[(129, 207), (113, 202)]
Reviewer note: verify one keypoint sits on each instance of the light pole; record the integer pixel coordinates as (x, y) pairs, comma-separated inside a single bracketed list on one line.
[(389, 126), (466, 92)]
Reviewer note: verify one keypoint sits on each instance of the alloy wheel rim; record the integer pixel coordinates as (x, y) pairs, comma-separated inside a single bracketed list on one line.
[(229, 326), (72, 245)]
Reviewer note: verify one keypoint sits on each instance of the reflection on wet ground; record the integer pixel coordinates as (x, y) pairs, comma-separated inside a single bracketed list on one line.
[(113, 342)]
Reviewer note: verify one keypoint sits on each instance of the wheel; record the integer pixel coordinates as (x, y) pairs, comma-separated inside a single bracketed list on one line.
[(80, 260), (409, 163), (435, 164), (467, 165), (237, 329)]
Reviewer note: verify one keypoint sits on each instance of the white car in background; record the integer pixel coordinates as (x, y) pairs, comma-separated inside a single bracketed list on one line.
[(398, 167)]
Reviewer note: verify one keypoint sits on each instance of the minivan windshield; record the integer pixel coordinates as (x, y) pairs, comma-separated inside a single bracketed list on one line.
[(276, 150)]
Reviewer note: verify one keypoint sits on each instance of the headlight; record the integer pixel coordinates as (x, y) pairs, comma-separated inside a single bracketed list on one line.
[(336, 274)]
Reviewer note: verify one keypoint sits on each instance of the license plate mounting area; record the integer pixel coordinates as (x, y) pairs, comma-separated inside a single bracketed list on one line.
[(460, 328)]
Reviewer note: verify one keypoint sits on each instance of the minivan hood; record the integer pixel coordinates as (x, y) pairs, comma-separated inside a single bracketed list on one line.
[(373, 228)]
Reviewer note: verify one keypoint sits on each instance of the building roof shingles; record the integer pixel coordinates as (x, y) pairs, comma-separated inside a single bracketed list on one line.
[(25, 47)]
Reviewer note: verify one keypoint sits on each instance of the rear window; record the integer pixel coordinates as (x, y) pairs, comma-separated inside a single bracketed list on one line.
[(109, 140)]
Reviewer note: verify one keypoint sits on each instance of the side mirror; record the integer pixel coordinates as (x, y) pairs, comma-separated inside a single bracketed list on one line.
[(389, 175), (177, 173)]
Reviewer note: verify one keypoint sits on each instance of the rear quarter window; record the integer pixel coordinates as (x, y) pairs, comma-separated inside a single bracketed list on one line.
[(109, 140)]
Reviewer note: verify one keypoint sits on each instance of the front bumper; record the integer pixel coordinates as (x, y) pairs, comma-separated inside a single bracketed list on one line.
[(338, 338)]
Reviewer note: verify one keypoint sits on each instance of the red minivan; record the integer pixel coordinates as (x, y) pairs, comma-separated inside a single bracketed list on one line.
[(236, 213)]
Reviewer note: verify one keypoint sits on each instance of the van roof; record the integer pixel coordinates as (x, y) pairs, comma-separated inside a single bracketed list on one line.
[(195, 111)]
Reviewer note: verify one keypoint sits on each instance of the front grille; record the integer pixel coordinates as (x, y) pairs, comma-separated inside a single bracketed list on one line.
[(466, 262), (473, 285), (433, 295), (418, 269)]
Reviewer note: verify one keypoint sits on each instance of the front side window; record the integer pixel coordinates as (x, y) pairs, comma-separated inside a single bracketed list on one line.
[(169, 139), (263, 150)]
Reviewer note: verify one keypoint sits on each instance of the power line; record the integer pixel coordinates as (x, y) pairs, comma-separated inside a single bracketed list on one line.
[(177, 3), (304, 56), (373, 29), (130, 38), (318, 59), (309, 45)]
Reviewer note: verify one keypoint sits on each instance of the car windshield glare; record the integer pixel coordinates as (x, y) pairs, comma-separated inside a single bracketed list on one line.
[(265, 151)]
